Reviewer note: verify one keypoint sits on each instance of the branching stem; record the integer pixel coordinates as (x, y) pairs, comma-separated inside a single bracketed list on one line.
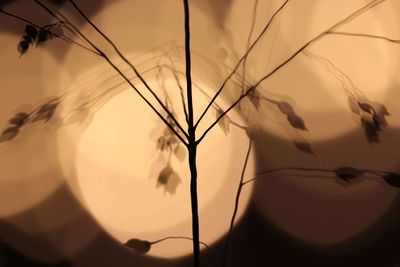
[(267, 26), (88, 20), (108, 60), (291, 57)]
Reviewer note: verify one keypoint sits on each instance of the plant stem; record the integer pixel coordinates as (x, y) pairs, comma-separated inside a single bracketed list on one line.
[(342, 22), (267, 26), (365, 35), (305, 169), (237, 200), (194, 203), (192, 145), (177, 237), (116, 68), (116, 49)]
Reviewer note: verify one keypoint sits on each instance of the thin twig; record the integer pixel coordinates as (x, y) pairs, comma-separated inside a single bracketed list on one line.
[(130, 64), (65, 38), (236, 207), (290, 58), (102, 54), (173, 71), (253, 23), (365, 35), (177, 237), (19, 18), (332, 171), (350, 89), (218, 107), (272, 19)]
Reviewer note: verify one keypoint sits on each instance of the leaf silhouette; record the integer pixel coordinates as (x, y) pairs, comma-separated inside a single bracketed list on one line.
[(366, 107), (392, 179), (43, 116), (161, 143), (255, 98), (180, 152), (19, 119), (380, 113), (43, 36), (379, 108), (347, 173), (45, 112), (285, 107), (165, 174), (171, 140), (168, 132), (379, 120), (31, 31), (9, 134), (23, 47), (224, 122), (296, 121), (138, 245), (303, 146), (169, 180), (52, 105), (371, 128)]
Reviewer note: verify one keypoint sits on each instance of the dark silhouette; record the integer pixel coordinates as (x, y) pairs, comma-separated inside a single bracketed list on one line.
[(372, 114)]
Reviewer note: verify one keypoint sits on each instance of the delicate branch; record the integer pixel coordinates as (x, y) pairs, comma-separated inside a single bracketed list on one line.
[(19, 18), (365, 35), (192, 145), (218, 107), (277, 68), (177, 237), (173, 71), (102, 54), (65, 38), (237, 199), (242, 59), (130, 64), (347, 84), (240, 186), (253, 23), (330, 171)]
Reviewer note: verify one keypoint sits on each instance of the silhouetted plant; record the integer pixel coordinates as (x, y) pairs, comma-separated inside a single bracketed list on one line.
[(372, 114)]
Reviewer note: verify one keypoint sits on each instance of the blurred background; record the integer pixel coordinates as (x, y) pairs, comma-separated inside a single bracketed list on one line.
[(76, 186)]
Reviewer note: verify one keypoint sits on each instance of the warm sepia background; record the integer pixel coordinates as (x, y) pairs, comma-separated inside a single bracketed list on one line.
[(74, 189)]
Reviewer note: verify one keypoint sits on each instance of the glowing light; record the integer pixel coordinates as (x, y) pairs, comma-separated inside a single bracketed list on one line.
[(118, 166)]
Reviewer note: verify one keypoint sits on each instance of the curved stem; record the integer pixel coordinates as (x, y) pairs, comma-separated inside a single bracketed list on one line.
[(108, 60), (177, 237), (237, 199), (367, 171), (19, 18), (364, 35), (291, 57), (65, 38), (241, 60), (174, 73)]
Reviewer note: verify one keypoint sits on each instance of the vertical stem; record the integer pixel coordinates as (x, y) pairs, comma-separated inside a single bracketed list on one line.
[(188, 66), (192, 145), (195, 211)]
